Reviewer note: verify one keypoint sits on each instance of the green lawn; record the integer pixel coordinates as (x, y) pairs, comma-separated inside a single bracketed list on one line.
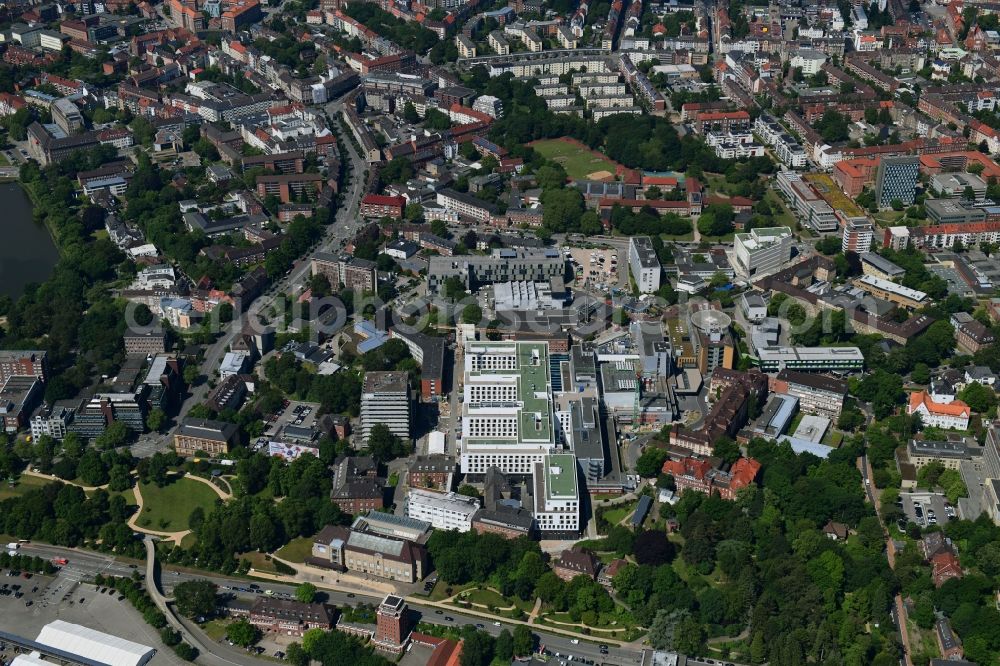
[(167, 509), (578, 161), (296, 550), (487, 598), (614, 516), (21, 486)]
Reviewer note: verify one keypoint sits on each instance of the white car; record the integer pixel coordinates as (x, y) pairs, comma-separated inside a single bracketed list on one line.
[(575, 641)]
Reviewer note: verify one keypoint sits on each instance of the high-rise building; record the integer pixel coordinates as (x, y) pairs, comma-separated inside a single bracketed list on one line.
[(23, 363), (896, 179), (644, 263), (858, 234), (391, 626), (385, 398)]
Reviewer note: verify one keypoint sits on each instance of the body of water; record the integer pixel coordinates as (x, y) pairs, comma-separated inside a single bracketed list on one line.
[(27, 253)]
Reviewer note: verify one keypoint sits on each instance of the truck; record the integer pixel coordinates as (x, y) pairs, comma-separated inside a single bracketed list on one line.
[(13, 545)]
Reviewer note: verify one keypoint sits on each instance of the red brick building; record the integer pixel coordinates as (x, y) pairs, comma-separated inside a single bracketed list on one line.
[(702, 476), (392, 626), (433, 472), (380, 205), (573, 563), (284, 186)]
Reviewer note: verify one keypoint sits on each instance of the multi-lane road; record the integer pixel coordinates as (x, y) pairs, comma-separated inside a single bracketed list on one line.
[(84, 565)]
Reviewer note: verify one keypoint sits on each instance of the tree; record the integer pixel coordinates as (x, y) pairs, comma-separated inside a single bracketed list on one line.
[(980, 398), (410, 114), (295, 655), (156, 419), (195, 597), (472, 314), (468, 491), (524, 642), (663, 630), (242, 633), (727, 449), (504, 647), (650, 463), (652, 547), (305, 593), (384, 445)]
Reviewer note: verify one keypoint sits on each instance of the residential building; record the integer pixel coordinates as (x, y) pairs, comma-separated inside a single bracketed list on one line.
[(212, 437), (385, 398), (446, 511), (952, 415), (972, 336), (576, 562), (379, 206), (51, 422), (287, 617), (556, 495), (896, 178), (467, 206), (644, 264), (949, 454), (23, 363), (763, 250), (817, 394), (700, 475), (858, 235)]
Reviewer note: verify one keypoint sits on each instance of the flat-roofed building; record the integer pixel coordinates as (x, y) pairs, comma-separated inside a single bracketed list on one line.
[(817, 394), (212, 437), (809, 359), (385, 399), (557, 495), (644, 264), (446, 511), (507, 414), (763, 250), (892, 292)]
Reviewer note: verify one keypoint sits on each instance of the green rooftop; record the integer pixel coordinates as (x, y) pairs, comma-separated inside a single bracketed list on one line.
[(532, 373), (560, 476)]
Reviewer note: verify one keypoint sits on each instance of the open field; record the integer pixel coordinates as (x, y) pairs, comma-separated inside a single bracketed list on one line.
[(23, 485), (168, 508), (296, 550), (579, 161)]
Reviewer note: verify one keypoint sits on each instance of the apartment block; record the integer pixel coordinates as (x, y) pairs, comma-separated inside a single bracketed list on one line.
[(896, 179)]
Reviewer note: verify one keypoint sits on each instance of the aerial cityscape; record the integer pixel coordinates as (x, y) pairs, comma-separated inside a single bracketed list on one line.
[(476, 333)]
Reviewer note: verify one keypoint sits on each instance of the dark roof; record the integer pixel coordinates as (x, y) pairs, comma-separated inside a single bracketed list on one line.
[(645, 502), (820, 382), (358, 489), (506, 516), (578, 560), (207, 429), (287, 609)]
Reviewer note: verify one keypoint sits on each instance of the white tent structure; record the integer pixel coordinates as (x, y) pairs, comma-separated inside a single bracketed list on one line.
[(94, 645), (30, 659)]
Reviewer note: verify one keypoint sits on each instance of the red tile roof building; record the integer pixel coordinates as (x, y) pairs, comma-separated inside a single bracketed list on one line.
[(944, 566), (702, 476), (380, 205)]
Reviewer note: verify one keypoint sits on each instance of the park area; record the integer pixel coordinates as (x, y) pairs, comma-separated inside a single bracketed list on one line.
[(579, 161), (167, 509)]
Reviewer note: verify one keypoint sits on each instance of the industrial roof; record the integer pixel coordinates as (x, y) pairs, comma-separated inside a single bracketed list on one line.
[(95, 645)]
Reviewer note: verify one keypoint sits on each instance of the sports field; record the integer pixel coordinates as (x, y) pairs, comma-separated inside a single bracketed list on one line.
[(580, 162)]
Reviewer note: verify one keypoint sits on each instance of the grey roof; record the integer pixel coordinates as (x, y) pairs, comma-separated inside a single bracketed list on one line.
[(207, 429), (882, 264)]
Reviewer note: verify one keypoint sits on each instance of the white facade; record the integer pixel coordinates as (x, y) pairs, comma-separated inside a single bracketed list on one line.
[(763, 250), (644, 264), (444, 511), (953, 415), (507, 415), (94, 645), (234, 363), (557, 494), (385, 398)]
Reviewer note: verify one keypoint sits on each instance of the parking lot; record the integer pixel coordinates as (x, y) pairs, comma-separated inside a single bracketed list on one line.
[(64, 597), (926, 509), (596, 269), (294, 414)]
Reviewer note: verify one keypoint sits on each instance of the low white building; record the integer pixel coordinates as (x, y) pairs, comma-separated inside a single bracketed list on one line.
[(763, 250), (444, 511), (234, 363)]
